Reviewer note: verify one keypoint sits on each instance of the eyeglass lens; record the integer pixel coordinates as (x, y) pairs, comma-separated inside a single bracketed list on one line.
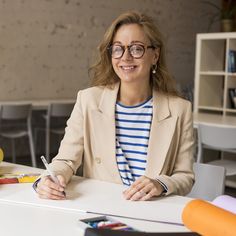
[(135, 50)]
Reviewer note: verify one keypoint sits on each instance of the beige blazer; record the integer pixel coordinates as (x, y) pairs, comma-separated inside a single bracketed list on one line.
[(90, 136)]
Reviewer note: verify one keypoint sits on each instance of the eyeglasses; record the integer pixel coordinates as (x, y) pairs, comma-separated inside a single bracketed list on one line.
[(135, 50)]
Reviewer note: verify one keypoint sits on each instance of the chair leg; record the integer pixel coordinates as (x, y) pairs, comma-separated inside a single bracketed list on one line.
[(32, 151), (195, 136), (47, 145), (13, 150), (35, 139), (199, 149)]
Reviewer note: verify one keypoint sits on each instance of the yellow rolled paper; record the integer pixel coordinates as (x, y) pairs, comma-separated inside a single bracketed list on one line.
[(1, 155), (209, 220), (28, 179)]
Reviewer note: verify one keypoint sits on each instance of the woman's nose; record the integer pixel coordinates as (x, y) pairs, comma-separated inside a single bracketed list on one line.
[(127, 55)]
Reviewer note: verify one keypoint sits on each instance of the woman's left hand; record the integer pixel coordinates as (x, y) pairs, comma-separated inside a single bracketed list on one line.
[(143, 189)]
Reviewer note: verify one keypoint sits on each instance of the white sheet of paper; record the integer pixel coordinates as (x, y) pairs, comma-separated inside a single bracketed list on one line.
[(100, 197)]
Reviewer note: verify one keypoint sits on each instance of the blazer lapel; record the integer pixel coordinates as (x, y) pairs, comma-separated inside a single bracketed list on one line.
[(162, 130), (104, 131)]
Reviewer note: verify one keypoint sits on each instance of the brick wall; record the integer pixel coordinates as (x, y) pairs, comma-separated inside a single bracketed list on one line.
[(46, 46)]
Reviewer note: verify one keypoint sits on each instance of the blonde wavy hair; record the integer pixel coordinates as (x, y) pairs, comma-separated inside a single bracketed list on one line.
[(102, 72)]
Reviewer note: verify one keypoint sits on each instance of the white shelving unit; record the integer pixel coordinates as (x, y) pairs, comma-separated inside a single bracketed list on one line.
[(212, 79), (212, 83)]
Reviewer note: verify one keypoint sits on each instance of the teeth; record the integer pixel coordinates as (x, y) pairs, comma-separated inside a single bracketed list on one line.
[(127, 67)]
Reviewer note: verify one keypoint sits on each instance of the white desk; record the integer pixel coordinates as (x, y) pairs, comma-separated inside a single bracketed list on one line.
[(214, 119), (23, 213)]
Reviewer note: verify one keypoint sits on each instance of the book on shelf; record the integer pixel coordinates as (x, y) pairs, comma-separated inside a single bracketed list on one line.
[(13, 178), (232, 97), (232, 61)]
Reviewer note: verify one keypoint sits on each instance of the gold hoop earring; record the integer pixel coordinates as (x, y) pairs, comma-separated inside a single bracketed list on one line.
[(154, 68)]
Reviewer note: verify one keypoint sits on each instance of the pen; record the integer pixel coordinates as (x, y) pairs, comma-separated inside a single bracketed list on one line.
[(54, 178)]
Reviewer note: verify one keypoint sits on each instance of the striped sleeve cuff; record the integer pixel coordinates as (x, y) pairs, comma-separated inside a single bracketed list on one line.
[(163, 185), (35, 184)]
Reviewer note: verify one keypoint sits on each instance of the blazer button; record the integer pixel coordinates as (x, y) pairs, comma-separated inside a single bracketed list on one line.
[(98, 160)]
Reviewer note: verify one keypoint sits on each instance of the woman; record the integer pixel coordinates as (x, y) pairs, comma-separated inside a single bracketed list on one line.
[(131, 127)]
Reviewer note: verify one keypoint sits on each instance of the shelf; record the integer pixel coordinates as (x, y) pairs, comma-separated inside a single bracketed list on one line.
[(211, 91), (213, 73), (212, 79), (216, 36), (212, 55), (230, 110), (231, 74), (210, 108), (231, 84)]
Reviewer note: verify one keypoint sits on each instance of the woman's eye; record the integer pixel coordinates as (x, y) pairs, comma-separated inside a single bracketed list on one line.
[(136, 48), (116, 49)]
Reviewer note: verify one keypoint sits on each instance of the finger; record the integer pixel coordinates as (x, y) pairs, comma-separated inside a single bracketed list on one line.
[(40, 183), (47, 195), (135, 190), (61, 180), (134, 184), (45, 190), (139, 181), (138, 195), (50, 194), (155, 186), (148, 188), (152, 190), (131, 191), (135, 187), (49, 182), (148, 196)]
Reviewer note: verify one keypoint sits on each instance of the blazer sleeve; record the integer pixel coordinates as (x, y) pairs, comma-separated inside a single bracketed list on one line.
[(70, 154), (181, 180)]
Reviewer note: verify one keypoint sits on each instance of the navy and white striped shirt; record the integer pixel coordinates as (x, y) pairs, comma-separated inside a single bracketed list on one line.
[(133, 124)]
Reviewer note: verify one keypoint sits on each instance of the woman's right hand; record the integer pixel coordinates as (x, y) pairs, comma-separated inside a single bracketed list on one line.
[(47, 189)]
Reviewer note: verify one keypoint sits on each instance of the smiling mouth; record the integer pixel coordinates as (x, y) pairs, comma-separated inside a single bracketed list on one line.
[(128, 68)]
